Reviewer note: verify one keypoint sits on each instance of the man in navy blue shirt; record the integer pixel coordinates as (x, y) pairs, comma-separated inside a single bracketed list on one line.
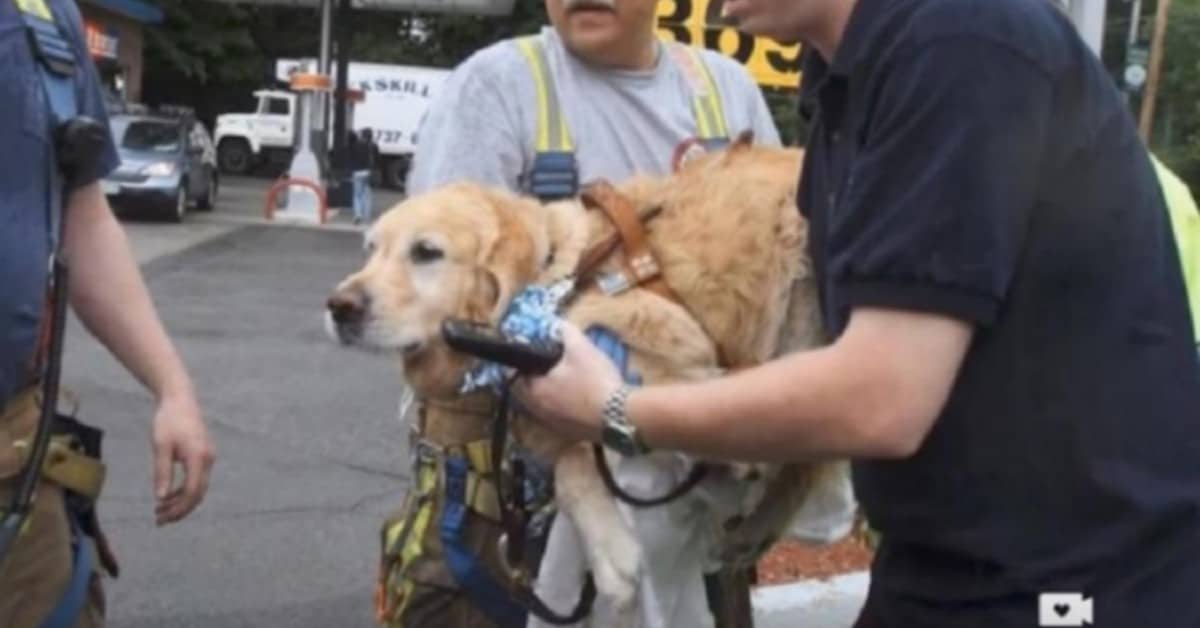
[(1011, 366), (109, 297)]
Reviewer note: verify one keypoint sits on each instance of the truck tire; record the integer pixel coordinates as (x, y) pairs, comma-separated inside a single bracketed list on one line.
[(395, 172), (234, 156)]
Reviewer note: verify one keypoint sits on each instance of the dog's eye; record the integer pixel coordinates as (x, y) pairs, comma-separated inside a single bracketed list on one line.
[(423, 252)]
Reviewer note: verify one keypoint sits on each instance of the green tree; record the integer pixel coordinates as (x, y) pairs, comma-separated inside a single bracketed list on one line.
[(198, 39), (438, 40), (212, 55), (1176, 135)]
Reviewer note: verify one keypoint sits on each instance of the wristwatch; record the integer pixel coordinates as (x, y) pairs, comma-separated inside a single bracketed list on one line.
[(617, 432)]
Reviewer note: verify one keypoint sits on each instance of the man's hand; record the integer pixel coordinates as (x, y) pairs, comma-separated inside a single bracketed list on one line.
[(571, 396), (111, 300), (179, 437), (874, 393)]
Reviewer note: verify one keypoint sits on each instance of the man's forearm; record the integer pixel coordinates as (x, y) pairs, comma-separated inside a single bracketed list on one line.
[(110, 297), (875, 393), (788, 409)]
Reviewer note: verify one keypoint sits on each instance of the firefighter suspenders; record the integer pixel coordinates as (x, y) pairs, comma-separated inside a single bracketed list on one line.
[(555, 173)]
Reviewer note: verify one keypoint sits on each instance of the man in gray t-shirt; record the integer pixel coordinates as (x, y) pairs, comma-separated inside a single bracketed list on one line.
[(628, 106), (623, 121)]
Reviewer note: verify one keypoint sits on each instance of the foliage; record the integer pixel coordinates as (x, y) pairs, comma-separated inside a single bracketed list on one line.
[(198, 39), (1176, 136), (212, 55), (438, 40), (785, 111)]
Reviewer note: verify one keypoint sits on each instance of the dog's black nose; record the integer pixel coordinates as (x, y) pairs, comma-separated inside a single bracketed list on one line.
[(347, 306)]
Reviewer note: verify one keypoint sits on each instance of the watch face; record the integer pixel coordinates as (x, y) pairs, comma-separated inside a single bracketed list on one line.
[(618, 439)]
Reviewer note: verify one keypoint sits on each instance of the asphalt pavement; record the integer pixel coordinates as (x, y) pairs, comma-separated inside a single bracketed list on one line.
[(310, 452)]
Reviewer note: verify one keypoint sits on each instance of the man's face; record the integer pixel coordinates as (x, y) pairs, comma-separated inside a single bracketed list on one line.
[(785, 21), (592, 29)]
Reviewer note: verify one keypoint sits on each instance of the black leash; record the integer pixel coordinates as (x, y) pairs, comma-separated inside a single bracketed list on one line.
[(694, 477), (514, 518)]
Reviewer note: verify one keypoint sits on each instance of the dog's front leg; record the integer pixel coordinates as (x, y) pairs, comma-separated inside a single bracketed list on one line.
[(613, 551)]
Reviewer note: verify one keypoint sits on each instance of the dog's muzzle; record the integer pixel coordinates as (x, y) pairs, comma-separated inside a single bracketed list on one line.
[(347, 311)]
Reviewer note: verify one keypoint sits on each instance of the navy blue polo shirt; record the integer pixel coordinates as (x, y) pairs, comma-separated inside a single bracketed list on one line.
[(24, 181), (971, 158)]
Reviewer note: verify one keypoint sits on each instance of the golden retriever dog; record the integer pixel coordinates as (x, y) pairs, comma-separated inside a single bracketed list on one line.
[(731, 246)]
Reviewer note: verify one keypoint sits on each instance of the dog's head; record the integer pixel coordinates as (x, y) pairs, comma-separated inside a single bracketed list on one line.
[(461, 251)]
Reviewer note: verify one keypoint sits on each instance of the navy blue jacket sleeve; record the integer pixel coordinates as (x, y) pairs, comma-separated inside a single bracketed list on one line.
[(90, 98), (939, 193)]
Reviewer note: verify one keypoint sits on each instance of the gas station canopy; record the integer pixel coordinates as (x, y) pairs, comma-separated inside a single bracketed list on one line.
[(475, 7)]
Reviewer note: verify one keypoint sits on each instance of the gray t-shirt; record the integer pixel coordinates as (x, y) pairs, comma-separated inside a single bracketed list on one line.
[(482, 125)]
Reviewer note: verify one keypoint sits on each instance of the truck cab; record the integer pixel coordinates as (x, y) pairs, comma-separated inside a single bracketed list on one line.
[(397, 97), (248, 140)]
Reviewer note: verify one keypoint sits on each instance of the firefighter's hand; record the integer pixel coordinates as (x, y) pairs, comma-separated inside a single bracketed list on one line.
[(180, 438), (570, 398)]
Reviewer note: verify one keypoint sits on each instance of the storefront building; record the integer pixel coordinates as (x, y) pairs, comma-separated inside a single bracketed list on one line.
[(115, 39)]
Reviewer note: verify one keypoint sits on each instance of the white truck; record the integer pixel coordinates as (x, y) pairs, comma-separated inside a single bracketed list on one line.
[(396, 99)]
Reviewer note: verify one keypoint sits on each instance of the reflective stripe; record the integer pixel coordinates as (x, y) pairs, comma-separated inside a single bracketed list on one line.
[(706, 99), (552, 134), (479, 455), (554, 172), (55, 59), (1185, 224), (403, 543), (426, 482), (35, 7)]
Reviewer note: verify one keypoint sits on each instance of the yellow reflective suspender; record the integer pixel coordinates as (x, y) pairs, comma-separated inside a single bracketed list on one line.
[(1185, 225), (552, 133), (36, 8), (554, 173), (706, 99)]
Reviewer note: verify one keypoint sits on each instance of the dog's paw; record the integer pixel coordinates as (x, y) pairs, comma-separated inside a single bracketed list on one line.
[(617, 568), (747, 471)]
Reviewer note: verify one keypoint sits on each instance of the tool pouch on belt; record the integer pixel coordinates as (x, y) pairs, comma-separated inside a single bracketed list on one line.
[(416, 588), (72, 462)]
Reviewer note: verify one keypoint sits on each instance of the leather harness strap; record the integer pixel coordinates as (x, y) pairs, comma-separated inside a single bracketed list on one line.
[(598, 252), (641, 266)]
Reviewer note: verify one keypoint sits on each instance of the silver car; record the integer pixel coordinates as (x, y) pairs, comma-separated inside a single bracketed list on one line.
[(168, 165)]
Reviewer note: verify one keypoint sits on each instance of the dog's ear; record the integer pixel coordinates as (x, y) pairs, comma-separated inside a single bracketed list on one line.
[(508, 259), (482, 296)]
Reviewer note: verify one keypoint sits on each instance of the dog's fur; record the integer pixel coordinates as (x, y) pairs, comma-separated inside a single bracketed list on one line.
[(732, 246)]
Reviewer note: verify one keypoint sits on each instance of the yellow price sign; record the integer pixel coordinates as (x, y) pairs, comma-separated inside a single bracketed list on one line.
[(699, 23)]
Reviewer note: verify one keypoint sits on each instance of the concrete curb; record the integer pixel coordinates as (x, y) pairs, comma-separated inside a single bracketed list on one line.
[(248, 220), (832, 603)]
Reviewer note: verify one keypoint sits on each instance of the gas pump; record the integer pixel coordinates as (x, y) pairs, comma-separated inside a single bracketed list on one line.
[(308, 204)]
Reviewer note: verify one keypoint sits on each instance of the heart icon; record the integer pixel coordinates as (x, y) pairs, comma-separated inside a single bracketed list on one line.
[(1062, 609)]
